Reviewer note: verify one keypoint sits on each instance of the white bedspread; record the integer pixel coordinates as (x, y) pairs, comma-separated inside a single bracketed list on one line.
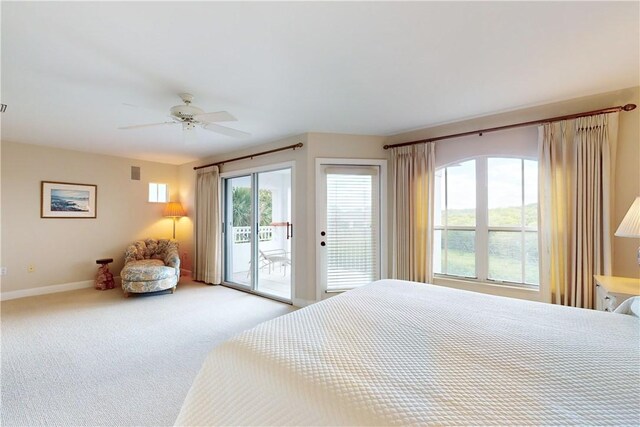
[(398, 353)]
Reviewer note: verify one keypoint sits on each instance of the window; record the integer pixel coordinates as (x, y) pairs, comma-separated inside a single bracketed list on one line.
[(486, 220), (158, 193)]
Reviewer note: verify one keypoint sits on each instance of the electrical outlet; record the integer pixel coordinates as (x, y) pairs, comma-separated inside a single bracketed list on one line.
[(3, 271), (31, 268)]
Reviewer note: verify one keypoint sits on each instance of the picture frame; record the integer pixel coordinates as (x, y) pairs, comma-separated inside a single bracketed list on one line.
[(68, 200)]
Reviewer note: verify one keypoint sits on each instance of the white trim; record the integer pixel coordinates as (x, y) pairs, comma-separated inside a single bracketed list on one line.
[(51, 289), (291, 165), (257, 169), (505, 290), (324, 161), (299, 302), (482, 228), (482, 218)]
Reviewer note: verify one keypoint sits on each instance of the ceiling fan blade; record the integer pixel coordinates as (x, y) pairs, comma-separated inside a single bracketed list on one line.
[(226, 131), (142, 108), (219, 116), (147, 125)]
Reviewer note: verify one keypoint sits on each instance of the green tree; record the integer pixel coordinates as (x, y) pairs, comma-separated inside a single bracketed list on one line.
[(241, 199), (265, 201)]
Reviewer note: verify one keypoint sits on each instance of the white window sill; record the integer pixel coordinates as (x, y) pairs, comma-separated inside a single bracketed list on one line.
[(499, 289)]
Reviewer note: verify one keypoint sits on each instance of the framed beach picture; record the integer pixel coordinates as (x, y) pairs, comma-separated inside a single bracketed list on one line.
[(67, 200)]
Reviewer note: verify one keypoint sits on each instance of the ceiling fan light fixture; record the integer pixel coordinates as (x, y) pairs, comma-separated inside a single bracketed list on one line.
[(189, 116), (188, 126)]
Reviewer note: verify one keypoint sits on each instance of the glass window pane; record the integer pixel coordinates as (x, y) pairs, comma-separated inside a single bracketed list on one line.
[(505, 256), (239, 230), (438, 252), (352, 229), (461, 194), (274, 242), (504, 191), (153, 192), (531, 193), (163, 190), (461, 253), (531, 260)]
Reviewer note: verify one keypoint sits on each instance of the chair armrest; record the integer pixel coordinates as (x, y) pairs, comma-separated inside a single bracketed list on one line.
[(274, 252), (130, 254), (172, 259)]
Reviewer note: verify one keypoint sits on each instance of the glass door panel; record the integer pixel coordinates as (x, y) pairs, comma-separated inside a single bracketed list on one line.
[(274, 233), (238, 231), (349, 220)]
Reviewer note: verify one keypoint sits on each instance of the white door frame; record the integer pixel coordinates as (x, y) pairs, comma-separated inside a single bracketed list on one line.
[(294, 242), (326, 161)]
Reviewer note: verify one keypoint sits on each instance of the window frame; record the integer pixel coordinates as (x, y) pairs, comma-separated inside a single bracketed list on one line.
[(482, 227), (157, 191)]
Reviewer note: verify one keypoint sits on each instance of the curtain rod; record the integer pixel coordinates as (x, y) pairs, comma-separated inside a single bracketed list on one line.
[(251, 156), (627, 107)]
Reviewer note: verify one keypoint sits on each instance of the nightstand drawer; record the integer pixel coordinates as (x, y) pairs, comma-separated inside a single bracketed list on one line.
[(608, 296), (604, 300)]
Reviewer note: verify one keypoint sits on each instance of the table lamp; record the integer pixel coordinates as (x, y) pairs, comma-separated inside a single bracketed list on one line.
[(630, 225), (174, 210)]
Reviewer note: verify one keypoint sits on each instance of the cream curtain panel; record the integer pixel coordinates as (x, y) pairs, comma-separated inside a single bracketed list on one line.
[(208, 247), (576, 161), (413, 177)]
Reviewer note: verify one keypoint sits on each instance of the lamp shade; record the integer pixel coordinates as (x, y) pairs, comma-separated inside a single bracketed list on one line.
[(174, 209), (630, 225)]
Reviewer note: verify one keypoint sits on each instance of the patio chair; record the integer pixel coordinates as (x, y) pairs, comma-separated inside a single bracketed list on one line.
[(269, 258)]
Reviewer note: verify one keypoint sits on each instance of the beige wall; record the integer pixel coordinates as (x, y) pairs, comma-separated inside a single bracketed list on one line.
[(327, 145), (125, 215), (315, 145), (297, 157), (64, 250), (627, 181)]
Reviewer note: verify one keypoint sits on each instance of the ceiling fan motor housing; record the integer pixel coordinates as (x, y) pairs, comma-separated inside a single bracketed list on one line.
[(185, 112)]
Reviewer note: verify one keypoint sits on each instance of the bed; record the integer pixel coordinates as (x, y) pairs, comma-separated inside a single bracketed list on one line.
[(403, 353)]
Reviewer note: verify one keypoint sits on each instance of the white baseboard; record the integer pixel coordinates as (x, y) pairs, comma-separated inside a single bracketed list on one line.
[(51, 289), (299, 302)]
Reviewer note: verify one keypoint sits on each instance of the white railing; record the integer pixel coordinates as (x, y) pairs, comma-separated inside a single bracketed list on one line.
[(243, 234)]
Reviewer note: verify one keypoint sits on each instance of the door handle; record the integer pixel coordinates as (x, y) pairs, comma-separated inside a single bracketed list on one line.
[(289, 234)]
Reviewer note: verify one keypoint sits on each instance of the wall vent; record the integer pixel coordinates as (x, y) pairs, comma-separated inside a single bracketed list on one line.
[(135, 173), (3, 108)]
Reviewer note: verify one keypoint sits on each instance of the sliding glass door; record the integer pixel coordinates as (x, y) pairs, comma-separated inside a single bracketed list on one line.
[(274, 234), (259, 232), (238, 230)]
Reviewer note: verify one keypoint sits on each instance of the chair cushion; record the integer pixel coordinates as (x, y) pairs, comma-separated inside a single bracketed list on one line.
[(146, 269)]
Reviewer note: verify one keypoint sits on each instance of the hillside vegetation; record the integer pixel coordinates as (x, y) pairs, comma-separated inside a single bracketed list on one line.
[(511, 216)]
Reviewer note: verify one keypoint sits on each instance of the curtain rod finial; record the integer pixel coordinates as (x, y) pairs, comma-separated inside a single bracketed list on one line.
[(386, 147), (629, 107)]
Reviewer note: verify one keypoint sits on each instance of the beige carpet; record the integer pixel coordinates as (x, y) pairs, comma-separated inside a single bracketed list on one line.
[(92, 357)]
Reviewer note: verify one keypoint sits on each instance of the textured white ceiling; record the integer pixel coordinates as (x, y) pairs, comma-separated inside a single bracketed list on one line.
[(288, 68)]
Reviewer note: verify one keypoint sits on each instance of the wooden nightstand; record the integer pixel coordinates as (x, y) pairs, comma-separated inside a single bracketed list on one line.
[(612, 290)]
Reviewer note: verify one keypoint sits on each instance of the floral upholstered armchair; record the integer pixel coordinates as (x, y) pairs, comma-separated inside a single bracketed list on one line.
[(150, 265)]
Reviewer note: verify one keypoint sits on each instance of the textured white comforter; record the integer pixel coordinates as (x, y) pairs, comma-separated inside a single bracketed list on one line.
[(398, 353)]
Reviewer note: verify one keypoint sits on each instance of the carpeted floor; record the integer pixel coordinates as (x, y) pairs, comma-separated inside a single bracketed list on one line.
[(92, 357)]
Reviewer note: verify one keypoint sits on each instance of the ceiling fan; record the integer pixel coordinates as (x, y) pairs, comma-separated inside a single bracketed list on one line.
[(189, 116)]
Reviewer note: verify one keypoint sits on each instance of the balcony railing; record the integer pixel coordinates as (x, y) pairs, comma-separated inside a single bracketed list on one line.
[(243, 234)]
